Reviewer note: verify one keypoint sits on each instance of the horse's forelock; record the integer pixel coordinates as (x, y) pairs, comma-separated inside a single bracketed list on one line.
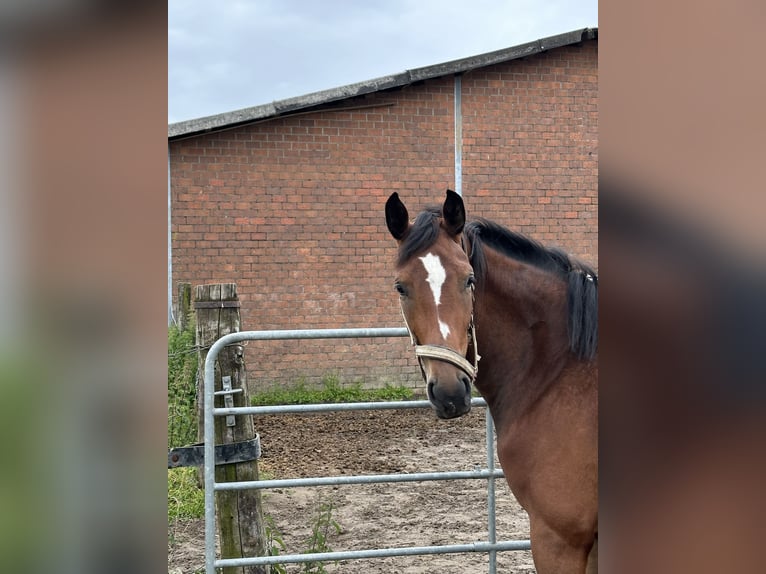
[(421, 235)]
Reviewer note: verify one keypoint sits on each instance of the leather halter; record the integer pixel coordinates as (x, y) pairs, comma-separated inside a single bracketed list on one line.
[(443, 353)]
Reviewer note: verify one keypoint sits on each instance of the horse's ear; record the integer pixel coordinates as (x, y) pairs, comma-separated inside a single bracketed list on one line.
[(453, 213), (397, 218)]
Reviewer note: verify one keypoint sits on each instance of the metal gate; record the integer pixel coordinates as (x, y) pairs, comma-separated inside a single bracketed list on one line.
[(491, 546)]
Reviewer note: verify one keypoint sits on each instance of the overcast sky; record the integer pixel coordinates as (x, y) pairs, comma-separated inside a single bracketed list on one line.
[(231, 54)]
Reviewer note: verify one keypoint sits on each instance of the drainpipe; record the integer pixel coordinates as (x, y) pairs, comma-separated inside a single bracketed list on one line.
[(171, 319), (458, 135)]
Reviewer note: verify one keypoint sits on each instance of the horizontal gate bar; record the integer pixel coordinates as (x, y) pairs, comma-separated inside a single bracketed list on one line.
[(377, 553), (282, 334), (331, 407), (358, 479)]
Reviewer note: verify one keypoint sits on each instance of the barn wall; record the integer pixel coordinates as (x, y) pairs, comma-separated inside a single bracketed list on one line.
[(291, 209), (530, 147)]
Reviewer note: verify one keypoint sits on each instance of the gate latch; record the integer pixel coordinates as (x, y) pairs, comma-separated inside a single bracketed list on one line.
[(228, 398)]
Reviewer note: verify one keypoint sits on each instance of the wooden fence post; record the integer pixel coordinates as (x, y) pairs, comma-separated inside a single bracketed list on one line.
[(240, 515), (183, 305)]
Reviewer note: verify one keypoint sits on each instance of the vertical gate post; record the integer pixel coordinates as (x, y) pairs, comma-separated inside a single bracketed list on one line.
[(240, 515)]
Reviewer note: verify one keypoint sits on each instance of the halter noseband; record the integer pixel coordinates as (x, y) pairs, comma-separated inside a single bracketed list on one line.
[(442, 353), (453, 357)]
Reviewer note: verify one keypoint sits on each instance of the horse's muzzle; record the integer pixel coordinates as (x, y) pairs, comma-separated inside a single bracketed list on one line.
[(450, 401)]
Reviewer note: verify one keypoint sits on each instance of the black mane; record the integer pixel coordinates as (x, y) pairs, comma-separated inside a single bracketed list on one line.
[(513, 245), (582, 281)]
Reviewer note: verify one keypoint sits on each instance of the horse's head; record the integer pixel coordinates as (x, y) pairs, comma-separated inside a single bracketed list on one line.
[(435, 283)]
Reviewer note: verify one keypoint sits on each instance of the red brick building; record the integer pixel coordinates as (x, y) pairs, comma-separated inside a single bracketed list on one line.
[(286, 199)]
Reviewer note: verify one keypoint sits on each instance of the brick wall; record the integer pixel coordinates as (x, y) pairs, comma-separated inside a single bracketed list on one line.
[(530, 147), (291, 209)]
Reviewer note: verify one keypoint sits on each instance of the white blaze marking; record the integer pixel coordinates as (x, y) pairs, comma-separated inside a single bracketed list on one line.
[(436, 277), (436, 274)]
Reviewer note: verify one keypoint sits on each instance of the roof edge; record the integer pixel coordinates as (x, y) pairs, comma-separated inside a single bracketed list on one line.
[(190, 128)]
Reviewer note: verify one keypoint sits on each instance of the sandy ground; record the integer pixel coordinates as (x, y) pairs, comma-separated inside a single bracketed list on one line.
[(378, 515)]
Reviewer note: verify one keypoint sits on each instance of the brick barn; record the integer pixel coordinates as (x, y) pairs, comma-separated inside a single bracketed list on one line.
[(286, 199)]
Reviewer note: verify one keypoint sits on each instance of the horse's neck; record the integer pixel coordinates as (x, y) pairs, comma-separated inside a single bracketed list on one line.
[(521, 329)]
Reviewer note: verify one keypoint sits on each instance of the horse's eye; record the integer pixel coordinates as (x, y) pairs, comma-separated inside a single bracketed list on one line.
[(470, 282), (400, 289)]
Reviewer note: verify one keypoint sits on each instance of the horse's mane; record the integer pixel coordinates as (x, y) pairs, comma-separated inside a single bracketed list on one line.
[(582, 281)]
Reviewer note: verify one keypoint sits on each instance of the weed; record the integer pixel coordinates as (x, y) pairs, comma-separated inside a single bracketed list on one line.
[(323, 526), (274, 543)]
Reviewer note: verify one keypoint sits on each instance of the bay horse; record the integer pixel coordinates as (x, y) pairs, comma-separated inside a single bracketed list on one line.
[(534, 312)]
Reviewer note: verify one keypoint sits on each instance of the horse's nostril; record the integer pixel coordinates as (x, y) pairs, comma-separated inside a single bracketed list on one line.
[(431, 385), (467, 382)]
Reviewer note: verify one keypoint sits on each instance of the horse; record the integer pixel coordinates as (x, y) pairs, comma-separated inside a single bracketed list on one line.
[(534, 310)]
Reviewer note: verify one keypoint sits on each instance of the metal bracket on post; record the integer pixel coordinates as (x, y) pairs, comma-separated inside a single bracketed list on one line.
[(228, 398), (194, 455)]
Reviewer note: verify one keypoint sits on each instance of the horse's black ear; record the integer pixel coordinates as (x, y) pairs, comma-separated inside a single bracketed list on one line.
[(453, 212), (397, 218)]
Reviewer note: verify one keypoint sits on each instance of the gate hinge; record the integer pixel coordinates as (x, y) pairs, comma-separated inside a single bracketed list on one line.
[(194, 455)]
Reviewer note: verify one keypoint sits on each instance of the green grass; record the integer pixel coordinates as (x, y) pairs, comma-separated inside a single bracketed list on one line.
[(185, 498), (182, 386), (331, 391)]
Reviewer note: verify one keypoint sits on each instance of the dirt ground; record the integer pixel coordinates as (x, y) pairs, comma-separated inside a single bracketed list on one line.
[(378, 515)]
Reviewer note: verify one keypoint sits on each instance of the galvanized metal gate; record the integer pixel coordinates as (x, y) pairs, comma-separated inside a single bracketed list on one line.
[(491, 546)]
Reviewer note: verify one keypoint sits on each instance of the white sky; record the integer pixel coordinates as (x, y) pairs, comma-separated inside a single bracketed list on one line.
[(231, 54)]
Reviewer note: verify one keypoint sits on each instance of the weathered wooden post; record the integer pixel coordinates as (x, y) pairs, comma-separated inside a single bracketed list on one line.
[(183, 305), (240, 516)]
